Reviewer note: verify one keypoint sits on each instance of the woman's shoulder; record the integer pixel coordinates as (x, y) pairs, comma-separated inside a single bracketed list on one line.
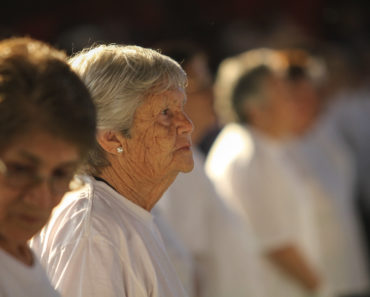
[(94, 200), (97, 210), (84, 216)]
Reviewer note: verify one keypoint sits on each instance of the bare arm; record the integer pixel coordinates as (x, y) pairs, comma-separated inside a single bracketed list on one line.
[(290, 259)]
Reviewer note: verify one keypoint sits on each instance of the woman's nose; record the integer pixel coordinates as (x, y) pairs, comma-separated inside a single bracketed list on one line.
[(40, 195), (185, 125)]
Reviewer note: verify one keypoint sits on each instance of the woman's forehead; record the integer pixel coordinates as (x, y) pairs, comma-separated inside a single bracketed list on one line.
[(177, 96), (38, 147)]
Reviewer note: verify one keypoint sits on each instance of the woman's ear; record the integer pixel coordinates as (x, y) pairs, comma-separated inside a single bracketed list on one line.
[(110, 141)]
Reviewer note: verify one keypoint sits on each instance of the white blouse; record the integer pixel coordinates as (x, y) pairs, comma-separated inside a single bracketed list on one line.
[(98, 243)]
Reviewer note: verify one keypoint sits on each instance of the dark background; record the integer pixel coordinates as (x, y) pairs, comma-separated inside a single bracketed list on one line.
[(221, 27)]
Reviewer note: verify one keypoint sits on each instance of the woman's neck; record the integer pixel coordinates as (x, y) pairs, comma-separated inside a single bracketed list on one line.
[(142, 190), (20, 251)]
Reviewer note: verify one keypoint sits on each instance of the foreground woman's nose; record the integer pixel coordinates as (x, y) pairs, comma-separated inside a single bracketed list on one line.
[(40, 195)]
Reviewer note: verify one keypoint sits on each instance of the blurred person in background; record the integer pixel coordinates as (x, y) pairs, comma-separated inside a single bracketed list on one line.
[(40, 150), (304, 223), (215, 236), (102, 240), (248, 164)]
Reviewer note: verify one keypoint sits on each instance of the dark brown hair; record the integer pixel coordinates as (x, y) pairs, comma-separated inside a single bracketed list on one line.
[(39, 91)]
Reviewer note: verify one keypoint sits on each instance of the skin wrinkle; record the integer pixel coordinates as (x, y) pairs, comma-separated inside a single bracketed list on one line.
[(158, 133), (151, 158)]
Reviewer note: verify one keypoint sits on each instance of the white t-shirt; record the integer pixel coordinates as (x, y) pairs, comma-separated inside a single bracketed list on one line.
[(17, 279), (217, 238), (253, 175), (179, 255), (98, 243)]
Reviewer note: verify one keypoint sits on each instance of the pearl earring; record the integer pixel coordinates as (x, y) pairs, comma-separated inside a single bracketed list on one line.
[(119, 150)]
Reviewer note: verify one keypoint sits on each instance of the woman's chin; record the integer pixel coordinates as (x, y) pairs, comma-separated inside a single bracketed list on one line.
[(183, 161), (187, 165), (188, 169)]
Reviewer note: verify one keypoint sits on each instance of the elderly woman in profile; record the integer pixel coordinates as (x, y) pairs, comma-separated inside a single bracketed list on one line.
[(40, 150), (102, 240)]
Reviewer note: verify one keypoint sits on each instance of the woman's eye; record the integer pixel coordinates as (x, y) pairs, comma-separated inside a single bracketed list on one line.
[(165, 111), (18, 169), (63, 173)]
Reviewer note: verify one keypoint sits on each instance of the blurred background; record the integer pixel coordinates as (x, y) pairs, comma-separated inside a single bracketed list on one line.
[(223, 28)]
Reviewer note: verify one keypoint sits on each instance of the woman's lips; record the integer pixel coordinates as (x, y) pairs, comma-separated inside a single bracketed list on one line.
[(30, 219)]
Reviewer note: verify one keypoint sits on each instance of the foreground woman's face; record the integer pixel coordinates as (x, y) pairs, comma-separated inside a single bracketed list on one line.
[(39, 169), (160, 142)]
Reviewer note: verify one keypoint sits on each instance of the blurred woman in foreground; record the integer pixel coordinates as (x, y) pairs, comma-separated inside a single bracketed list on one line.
[(40, 150)]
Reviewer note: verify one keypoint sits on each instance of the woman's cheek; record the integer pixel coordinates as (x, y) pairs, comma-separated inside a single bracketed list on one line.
[(2, 215), (7, 198), (164, 132), (56, 201), (4, 208)]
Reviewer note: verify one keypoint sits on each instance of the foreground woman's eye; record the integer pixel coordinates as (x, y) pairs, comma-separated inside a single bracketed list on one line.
[(19, 169), (63, 174)]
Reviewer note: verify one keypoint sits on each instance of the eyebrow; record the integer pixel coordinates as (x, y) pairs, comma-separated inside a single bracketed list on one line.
[(32, 158)]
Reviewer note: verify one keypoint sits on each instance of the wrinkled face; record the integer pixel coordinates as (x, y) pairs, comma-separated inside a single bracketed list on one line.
[(160, 142), (39, 168), (199, 105)]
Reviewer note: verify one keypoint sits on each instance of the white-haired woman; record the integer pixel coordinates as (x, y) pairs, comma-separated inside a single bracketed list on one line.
[(102, 240)]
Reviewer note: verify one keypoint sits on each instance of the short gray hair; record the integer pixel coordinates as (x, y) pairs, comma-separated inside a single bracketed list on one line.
[(119, 79), (232, 69), (239, 78)]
